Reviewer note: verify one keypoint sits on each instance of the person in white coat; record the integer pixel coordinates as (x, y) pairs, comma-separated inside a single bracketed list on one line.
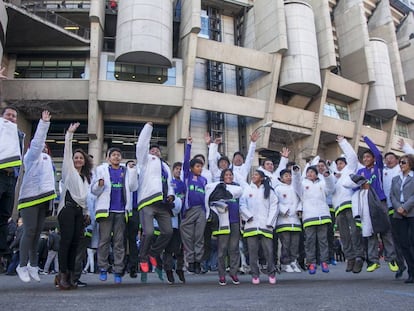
[(315, 214), (113, 185), (350, 233), (37, 193), (259, 208), (288, 225)]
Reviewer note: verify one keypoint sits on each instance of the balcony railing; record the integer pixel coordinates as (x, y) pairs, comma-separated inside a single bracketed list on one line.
[(48, 10)]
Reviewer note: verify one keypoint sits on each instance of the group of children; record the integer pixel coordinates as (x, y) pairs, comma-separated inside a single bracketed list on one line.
[(173, 210)]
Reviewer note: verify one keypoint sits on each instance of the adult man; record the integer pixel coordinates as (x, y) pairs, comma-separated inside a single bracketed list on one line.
[(10, 160), (392, 169)]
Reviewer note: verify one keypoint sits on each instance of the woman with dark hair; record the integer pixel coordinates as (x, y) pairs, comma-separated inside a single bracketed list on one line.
[(259, 208), (402, 198), (223, 199), (72, 210)]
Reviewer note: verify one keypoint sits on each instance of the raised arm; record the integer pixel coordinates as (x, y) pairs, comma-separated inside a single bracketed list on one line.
[(67, 165), (143, 143), (406, 148), (187, 154), (38, 142), (250, 154), (212, 158), (377, 154), (284, 159), (350, 154)]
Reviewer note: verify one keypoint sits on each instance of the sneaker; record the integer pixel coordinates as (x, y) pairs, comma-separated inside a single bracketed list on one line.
[(235, 279), (222, 281), (191, 267), (43, 273), (133, 273), (325, 267), (153, 261), (103, 275), (400, 272), (255, 280), (170, 277), (287, 268), (332, 262), (158, 271), (312, 268), (81, 284), (197, 268), (373, 266), (34, 272), (358, 265), (295, 267), (350, 265), (181, 276), (117, 278), (23, 273), (393, 266), (272, 279), (144, 266), (144, 277)]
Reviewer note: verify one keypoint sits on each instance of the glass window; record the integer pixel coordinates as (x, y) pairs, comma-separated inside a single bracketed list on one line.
[(204, 25), (401, 129), (372, 121), (49, 67), (336, 111)]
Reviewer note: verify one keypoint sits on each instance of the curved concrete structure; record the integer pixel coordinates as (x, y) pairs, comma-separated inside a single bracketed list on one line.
[(300, 72), (144, 32), (381, 98), (3, 28)]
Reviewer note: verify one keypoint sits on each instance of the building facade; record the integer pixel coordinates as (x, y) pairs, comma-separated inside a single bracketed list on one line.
[(315, 69)]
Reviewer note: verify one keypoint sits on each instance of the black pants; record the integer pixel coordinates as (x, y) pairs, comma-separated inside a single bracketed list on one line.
[(404, 229), (7, 187), (84, 243), (71, 223), (132, 232)]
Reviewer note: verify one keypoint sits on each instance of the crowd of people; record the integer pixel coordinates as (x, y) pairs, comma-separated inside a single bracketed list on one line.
[(143, 216)]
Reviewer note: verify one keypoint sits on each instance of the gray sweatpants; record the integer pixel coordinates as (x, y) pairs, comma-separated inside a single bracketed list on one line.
[(387, 241), (163, 217), (52, 256), (192, 234), (229, 244), (290, 246), (33, 221), (112, 228), (253, 244), (351, 235), (314, 234)]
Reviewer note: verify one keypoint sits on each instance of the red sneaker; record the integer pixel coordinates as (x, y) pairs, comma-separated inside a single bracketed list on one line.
[(153, 261), (144, 266)]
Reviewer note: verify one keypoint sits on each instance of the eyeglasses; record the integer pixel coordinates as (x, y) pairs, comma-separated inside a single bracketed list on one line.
[(403, 162)]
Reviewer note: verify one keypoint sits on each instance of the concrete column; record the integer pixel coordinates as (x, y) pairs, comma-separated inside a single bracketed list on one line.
[(270, 26), (324, 33), (381, 25), (389, 128), (95, 117), (353, 41), (357, 113), (406, 45), (300, 72)]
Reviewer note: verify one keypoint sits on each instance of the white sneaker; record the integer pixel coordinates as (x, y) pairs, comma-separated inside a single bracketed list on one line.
[(295, 267), (287, 268), (33, 272), (23, 273)]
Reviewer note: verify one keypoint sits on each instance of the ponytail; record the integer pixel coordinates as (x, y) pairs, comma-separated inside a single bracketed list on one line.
[(266, 184)]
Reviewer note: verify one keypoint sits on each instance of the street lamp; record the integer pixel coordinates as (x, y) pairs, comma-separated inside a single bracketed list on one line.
[(267, 124)]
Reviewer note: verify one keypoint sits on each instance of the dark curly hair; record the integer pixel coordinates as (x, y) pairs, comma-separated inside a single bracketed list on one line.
[(86, 171)]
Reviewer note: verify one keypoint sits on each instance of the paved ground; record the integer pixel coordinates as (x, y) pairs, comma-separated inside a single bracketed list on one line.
[(336, 290)]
